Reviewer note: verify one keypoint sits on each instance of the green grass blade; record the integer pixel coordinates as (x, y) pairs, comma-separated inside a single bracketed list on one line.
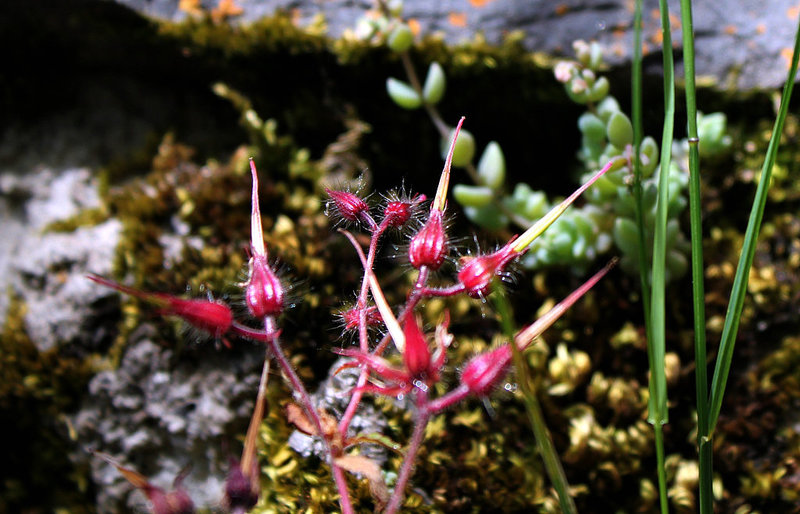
[(658, 415), (544, 442), (658, 382), (698, 289), (732, 317), (636, 115)]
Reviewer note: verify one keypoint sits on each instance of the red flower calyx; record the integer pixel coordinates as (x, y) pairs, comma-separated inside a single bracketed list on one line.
[(484, 372), (398, 211), (263, 291), (477, 273), (348, 205), (429, 246)]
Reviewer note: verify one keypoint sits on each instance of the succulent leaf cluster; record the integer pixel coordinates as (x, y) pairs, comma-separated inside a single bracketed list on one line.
[(607, 219)]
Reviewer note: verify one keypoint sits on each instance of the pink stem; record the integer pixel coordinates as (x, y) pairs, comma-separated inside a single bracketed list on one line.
[(448, 400), (363, 336), (423, 416), (311, 412)]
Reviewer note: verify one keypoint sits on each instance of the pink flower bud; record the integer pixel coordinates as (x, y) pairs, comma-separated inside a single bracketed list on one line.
[(417, 355), (397, 214), (429, 245), (399, 211), (477, 273), (263, 291), (484, 372), (348, 205), (351, 317)]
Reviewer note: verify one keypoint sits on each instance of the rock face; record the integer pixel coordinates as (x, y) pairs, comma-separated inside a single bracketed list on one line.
[(740, 44), (159, 414), (47, 270)]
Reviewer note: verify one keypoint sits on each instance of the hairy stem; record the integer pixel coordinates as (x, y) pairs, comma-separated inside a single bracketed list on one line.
[(423, 416), (311, 411)]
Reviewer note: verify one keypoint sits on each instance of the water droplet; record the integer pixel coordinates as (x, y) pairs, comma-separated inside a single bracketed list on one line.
[(511, 387), (400, 397), (601, 25), (422, 386)]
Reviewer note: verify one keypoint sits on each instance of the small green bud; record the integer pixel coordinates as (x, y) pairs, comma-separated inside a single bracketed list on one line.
[(582, 51), (472, 196), (648, 152), (400, 38), (592, 127), (589, 76), (595, 55), (435, 83), (403, 95), (607, 107), (599, 90), (711, 129), (464, 150), (619, 130), (626, 236), (492, 166)]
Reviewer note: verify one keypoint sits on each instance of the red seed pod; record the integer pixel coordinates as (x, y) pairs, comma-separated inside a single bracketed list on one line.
[(484, 372), (263, 291), (429, 245), (348, 205), (477, 273), (417, 355), (210, 316)]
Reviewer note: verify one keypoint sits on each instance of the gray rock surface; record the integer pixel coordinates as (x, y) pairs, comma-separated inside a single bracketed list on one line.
[(158, 414), (741, 44), (333, 395), (45, 269)]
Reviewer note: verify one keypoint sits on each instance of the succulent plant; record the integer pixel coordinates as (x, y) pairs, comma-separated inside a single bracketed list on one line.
[(608, 218)]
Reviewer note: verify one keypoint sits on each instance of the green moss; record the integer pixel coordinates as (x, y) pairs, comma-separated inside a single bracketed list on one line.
[(36, 391), (470, 460)]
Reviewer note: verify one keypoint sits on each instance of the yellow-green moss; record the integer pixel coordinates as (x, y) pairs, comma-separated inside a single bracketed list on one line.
[(36, 390)]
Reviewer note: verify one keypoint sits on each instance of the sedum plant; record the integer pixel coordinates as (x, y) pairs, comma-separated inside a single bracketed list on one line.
[(415, 374), (607, 220)]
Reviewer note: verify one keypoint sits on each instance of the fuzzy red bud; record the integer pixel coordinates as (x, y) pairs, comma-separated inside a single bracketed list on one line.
[(477, 273), (351, 317), (398, 212), (210, 316), (484, 372), (429, 245), (348, 205), (174, 502)]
